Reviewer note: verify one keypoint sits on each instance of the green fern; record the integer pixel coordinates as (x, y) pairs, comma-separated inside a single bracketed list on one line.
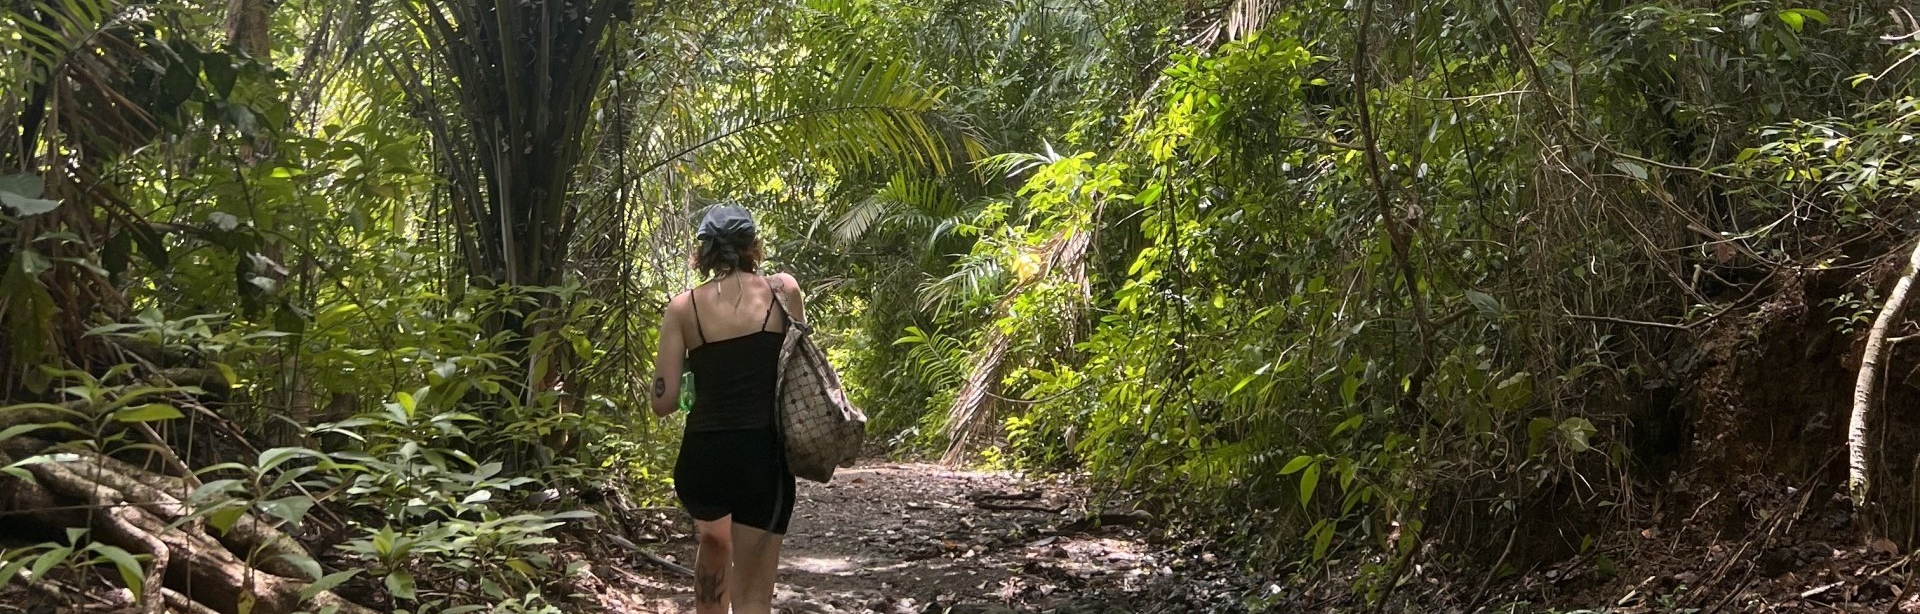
[(939, 361), (975, 277), (908, 205)]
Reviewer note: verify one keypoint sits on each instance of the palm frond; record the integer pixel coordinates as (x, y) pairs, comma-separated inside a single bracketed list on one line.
[(857, 220), (80, 52), (939, 360), (905, 204), (846, 110), (972, 278), (1244, 17)]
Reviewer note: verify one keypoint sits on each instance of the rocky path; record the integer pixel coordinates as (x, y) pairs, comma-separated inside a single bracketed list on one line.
[(917, 539)]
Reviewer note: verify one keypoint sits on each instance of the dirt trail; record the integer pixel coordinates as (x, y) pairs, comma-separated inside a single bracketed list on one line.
[(916, 538)]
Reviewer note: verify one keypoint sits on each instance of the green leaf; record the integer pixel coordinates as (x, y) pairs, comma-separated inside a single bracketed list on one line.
[(151, 412), (1793, 19), (23, 185), (151, 245), (400, 583), (1295, 465), (1514, 392), (32, 263), (1149, 195), (1243, 383), (272, 458), (288, 319), (522, 567), (1484, 302), (1308, 481), (290, 509), (1631, 168), (306, 564), (114, 256), (1322, 541), (27, 207), (12, 568), (130, 571), (48, 560), (223, 519), (1577, 431), (22, 429), (327, 583), (1797, 18), (1536, 433), (220, 74), (1349, 424), (227, 373)]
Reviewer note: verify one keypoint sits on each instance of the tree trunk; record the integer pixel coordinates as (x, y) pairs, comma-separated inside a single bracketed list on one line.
[(526, 75), (1858, 478), (974, 405), (248, 26)]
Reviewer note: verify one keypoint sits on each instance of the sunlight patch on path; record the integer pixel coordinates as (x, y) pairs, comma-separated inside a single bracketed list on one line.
[(833, 565)]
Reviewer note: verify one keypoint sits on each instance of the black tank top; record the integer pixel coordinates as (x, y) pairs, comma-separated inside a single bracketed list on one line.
[(734, 378)]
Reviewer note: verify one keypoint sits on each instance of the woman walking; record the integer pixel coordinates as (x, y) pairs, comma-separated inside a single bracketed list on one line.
[(731, 474)]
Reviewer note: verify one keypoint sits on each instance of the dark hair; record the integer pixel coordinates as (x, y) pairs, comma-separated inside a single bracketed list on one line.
[(729, 252)]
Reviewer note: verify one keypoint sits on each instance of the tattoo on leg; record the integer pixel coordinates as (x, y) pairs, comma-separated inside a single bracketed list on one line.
[(659, 387), (709, 588)]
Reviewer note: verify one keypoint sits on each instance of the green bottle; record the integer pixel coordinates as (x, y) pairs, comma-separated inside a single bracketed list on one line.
[(686, 392)]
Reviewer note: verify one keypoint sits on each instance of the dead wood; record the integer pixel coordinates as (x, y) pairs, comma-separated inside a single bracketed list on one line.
[(1110, 518), (1018, 507), (1859, 479), (127, 508), (1025, 495)]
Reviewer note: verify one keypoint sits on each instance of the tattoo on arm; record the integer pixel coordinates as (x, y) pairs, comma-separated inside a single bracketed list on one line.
[(659, 387)]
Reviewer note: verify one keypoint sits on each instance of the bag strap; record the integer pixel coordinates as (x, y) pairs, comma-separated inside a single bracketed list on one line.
[(773, 283)]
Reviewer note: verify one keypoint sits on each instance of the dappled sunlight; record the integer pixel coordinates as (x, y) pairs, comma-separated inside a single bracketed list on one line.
[(833, 565)]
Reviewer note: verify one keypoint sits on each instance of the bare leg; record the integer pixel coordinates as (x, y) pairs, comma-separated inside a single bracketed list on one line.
[(712, 565), (756, 557)]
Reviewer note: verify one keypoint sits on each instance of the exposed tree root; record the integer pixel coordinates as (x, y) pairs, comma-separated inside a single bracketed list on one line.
[(1858, 474), (119, 528), (190, 570)]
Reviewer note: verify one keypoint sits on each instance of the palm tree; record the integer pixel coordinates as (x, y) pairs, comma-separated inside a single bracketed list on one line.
[(530, 79)]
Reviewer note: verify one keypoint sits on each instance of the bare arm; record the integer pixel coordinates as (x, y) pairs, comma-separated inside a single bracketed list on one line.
[(667, 366)]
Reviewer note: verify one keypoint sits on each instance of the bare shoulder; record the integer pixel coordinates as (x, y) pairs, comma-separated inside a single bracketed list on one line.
[(679, 304), (787, 283)]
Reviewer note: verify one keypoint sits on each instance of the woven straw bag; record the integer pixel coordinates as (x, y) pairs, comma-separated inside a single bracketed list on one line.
[(821, 428)]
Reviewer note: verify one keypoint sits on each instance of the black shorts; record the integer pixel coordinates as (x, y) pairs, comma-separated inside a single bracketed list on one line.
[(738, 473)]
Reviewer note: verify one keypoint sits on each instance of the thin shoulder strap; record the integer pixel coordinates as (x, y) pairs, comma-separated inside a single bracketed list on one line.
[(773, 302), (691, 294)]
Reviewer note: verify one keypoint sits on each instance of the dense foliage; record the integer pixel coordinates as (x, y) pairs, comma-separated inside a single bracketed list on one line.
[(1327, 276)]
